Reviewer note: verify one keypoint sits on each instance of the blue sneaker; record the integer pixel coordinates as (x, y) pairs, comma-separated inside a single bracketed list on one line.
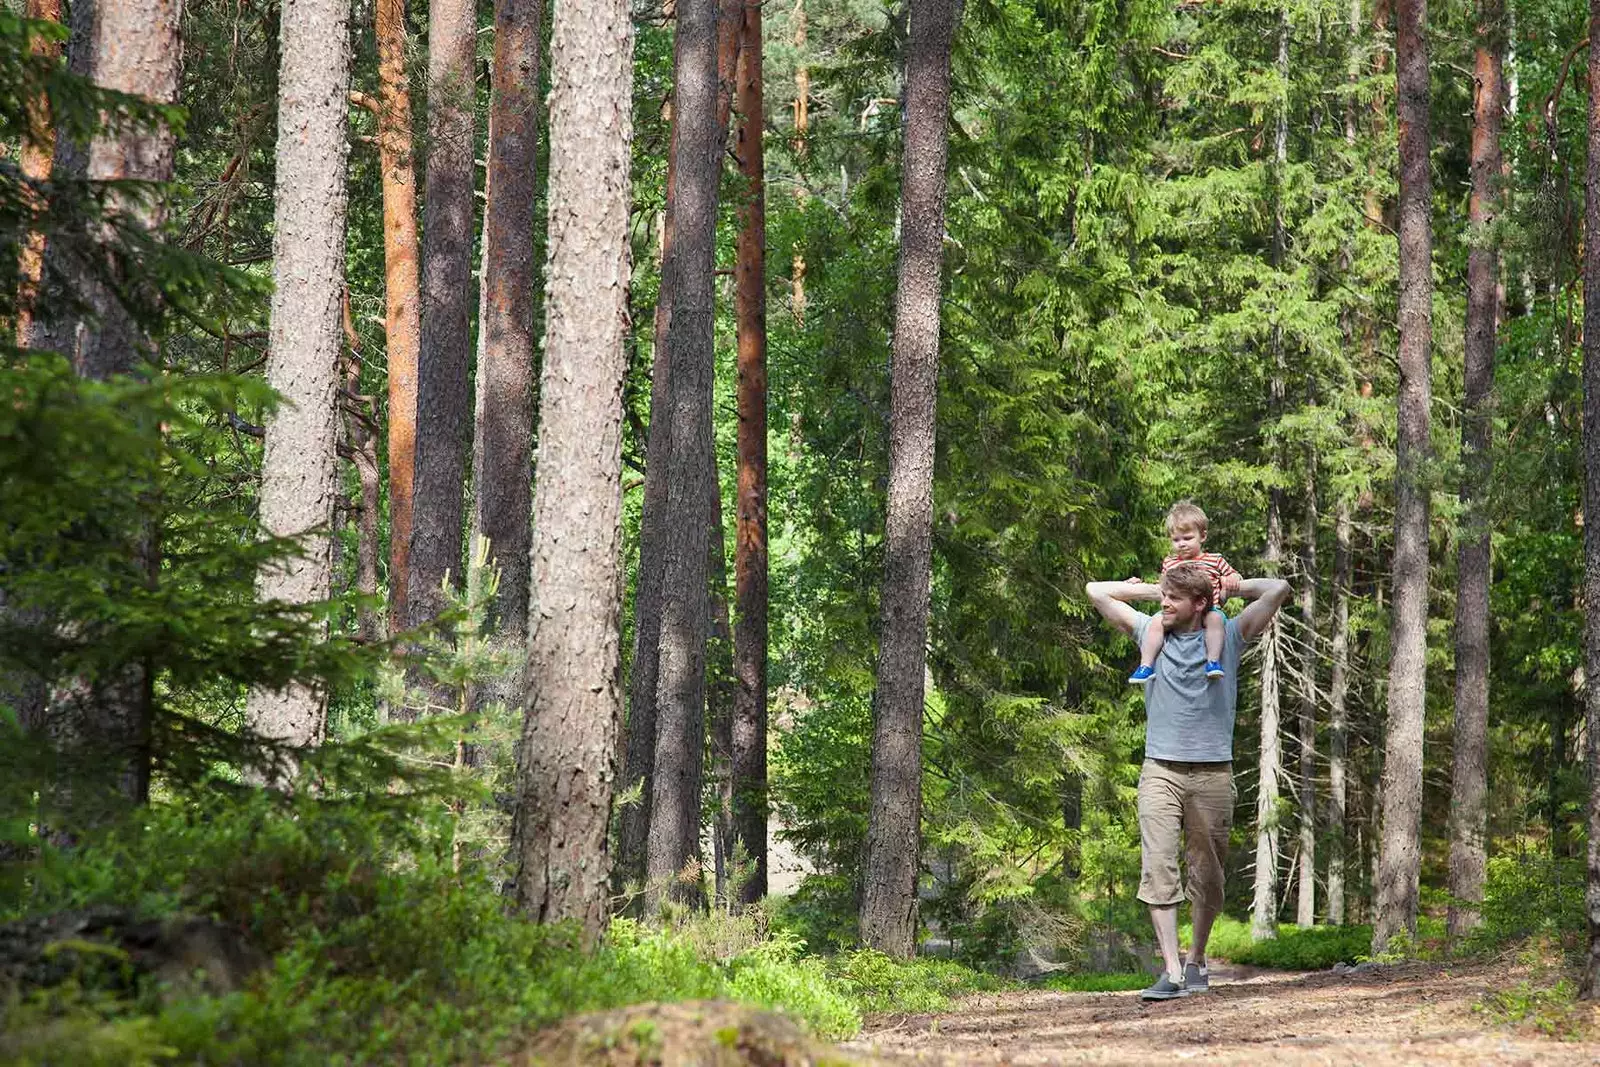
[(1141, 676), (1214, 669)]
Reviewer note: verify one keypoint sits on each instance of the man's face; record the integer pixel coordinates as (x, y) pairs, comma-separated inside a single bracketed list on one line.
[(1179, 611), (1187, 541)]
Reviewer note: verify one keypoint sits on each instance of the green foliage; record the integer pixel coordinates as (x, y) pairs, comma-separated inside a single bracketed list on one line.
[(1096, 983), (1294, 949), (880, 983), (1550, 1009), (1529, 895)]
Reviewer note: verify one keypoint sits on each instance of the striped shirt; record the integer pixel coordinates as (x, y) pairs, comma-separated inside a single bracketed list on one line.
[(1216, 569)]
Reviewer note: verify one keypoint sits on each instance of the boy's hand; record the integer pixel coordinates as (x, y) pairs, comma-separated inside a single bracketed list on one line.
[(1230, 582), (1135, 580)]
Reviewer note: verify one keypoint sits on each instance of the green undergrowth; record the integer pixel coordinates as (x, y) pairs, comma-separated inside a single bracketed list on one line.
[(1549, 1008), (372, 949), (1294, 949)]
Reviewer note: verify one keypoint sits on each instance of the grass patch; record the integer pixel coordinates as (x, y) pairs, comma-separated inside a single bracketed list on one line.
[(1552, 1010), (1315, 949), (1095, 983)]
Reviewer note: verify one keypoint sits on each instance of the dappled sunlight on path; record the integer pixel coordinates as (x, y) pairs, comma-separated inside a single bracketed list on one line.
[(1414, 1014)]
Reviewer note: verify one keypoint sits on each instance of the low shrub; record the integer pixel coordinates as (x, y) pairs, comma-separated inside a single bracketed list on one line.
[(1096, 983), (879, 983), (1313, 949)]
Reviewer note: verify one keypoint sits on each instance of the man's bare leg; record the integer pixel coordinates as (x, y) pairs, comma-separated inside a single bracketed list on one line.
[(1165, 920)]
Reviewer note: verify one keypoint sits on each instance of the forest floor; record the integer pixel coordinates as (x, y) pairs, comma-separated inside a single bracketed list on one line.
[(1404, 1014)]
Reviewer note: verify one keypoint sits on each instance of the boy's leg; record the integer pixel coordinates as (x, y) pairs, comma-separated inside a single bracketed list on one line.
[(1216, 632), (1154, 635)]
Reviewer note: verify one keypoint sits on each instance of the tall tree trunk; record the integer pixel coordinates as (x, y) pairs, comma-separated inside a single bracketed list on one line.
[(893, 846), (1469, 778), (443, 386), (1264, 909), (502, 450), (299, 470), (1590, 983), (37, 150), (750, 543), (361, 436), (1401, 854), (1338, 722), (655, 518), (1306, 903), (721, 697), (566, 763), (688, 273), (402, 290), (802, 125)]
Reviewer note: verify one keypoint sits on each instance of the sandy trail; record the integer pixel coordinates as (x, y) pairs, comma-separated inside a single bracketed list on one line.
[(1413, 1014)]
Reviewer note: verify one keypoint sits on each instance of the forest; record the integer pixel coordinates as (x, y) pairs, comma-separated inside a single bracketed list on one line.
[(513, 510)]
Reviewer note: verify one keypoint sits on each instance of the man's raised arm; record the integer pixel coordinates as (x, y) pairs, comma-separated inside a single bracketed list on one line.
[(1110, 599), (1266, 596)]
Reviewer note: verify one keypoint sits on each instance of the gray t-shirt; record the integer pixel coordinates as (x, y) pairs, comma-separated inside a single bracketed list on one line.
[(1189, 716)]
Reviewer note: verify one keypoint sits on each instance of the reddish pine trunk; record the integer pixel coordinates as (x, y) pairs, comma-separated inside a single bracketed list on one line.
[(402, 290), (1469, 778), (567, 759), (893, 847), (750, 543), (1401, 851), (37, 150)]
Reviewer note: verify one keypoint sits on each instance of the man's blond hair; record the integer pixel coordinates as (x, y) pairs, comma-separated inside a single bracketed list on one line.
[(1188, 580), (1184, 514)]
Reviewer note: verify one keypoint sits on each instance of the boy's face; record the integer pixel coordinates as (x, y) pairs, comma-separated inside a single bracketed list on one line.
[(1187, 541)]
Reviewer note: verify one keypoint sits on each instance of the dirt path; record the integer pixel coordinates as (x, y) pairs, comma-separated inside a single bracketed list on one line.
[(1415, 1014)]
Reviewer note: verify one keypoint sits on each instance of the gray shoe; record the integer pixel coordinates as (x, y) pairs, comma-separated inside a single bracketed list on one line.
[(1164, 989), (1195, 979)]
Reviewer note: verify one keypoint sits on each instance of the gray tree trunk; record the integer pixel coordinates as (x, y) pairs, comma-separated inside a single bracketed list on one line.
[(566, 767), (688, 271), (1338, 721), (1264, 907), (1401, 850), (1306, 902), (502, 470), (300, 463), (444, 408), (1469, 777), (1589, 986), (894, 821)]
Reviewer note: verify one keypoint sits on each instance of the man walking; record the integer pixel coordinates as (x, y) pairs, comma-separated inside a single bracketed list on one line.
[(1186, 784)]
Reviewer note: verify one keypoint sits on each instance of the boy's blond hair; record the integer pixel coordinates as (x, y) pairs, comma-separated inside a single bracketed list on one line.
[(1186, 513)]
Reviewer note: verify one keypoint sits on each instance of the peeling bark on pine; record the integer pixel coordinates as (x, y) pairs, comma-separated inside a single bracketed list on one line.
[(1401, 850), (893, 847), (38, 148), (299, 471), (566, 765), (402, 290), (750, 542), (444, 390), (1306, 902), (1469, 776), (1589, 985), (502, 464), (672, 854), (1338, 722)]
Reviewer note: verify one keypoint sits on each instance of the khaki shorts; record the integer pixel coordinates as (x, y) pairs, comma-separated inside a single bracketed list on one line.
[(1194, 801)]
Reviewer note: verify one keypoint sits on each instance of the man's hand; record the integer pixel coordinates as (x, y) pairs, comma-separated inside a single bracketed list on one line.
[(1110, 599), (1266, 595)]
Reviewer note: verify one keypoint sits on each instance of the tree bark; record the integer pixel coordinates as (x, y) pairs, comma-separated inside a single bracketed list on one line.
[(893, 846), (721, 697), (654, 518), (402, 290), (38, 149), (1264, 909), (566, 765), (299, 471), (688, 272), (1401, 852), (360, 433), (1338, 723), (1306, 902), (502, 451), (750, 542), (1469, 777), (1589, 985), (443, 386)]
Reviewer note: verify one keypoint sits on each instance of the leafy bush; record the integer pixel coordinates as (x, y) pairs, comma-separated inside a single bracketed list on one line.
[(1526, 895), (880, 983), (1313, 949), (1096, 983)]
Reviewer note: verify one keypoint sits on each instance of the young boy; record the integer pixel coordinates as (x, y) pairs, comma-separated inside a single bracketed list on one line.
[(1186, 526)]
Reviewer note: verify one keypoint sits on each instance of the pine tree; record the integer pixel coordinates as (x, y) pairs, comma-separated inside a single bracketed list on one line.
[(567, 760), (300, 465), (893, 852)]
